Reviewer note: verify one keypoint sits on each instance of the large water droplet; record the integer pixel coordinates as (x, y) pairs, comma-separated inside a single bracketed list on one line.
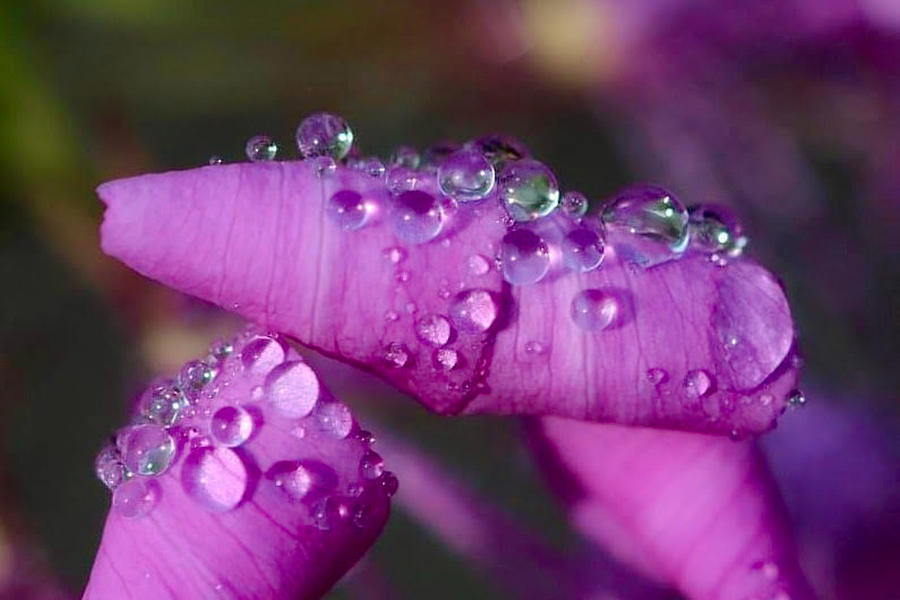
[(474, 310), (163, 403), (697, 383), (524, 257), (109, 467), (656, 219), (582, 249), (135, 497), (404, 156), (263, 354), (261, 148), (348, 209), (466, 176), (292, 389), (434, 330), (529, 189), (716, 229), (445, 359), (371, 465), (574, 204), (417, 216), (147, 449), (594, 310), (231, 426), (216, 478), (324, 134), (335, 419)]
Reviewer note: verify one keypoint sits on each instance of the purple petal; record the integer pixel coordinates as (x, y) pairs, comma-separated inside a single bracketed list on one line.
[(277, 503), (257, 239), (693, 511)]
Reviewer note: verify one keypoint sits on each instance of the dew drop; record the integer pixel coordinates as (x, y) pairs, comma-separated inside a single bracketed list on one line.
[(261, 148), (195, 375), (324, 166), (231, 426), (396, 355), (574, 204), (366, 437), (657, 376), (324, 134), (524, 257), (474, 310), (221, 349), (582, 250), (478, 265), (406, 157), (766, 399), (466, 176), (715, 229), (215, 159), (697, 383), (135, 498), (348, 210), (594, 310), (655, 217), (394, 254), (330, 512), (534, 347), (401, 179), (371, 166), (445, 359), (391, 316), (335, 419), (292, 478), (796, 399), (529, 189), (215, 478), (388, 483), (362, 516), (163, 403), (147, 449), (417, 216), (434, 330), (292, 389), (262, 354), (109, 467), (371, 465)]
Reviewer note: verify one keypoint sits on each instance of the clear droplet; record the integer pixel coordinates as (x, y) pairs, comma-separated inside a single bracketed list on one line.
[(402, 179), (163, 403), (348, 209), (330, 512), (231, 426), (417, 216), (656, 375), (371, 465), (216, 478), (396, 355), (324, 134), (474, 310), (366, 437), (582, 249), (796, 399), (389, 483), (715, 229), (466, 176), (698, 383), (766, 399), (263, 354), (524, 257), (534, 347), (499, 149), (147, 449), (574, 204), (261, 148), (594, 310), (215, 159), (109, 467), (324, 166), (371, 166), (221, 349), (394, 254), (434, 330), (335, 419), (478, 265), (655, 217), (445, 359), (529, 189), (292, 478), (404, 156), (292, 389), (135, 498), (195, 375)]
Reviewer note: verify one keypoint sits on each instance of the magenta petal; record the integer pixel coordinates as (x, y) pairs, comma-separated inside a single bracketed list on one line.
[(257, 239), (694, 511), (240, 527)]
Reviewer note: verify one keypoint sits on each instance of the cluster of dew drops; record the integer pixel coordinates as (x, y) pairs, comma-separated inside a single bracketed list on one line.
[(654, 223), (196, 416)]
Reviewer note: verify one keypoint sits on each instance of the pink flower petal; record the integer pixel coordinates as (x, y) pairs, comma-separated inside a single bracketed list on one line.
[(694, 511), (233, 516), (257, 239)]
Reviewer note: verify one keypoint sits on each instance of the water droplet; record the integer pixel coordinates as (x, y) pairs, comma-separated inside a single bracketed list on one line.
[(655, 217), (335, 419), (389, 483), (465, 176), (263, 354), (524, 257), (371, 465), (330, 512), (417, 216), (147, 449), (715, 229), (410, 307), (657, 376), (391, 316), (366, 437), (292, 389), (474, 310), (529, 189), (796, 399), (582, 249), (163, 403), (324, 134), (195, 375), (574, 204), (324, 166), (215, 159), (109, 467), (396, 355), (445, 359), (478, 265), (499, 149), (371, 166), (261, 148), (698, 383), (402, 276), (766, 399), (394, 254), (231, 426), (593, 309), (533, 347), (402, 179), (406, 157), (221, 349), (434, 330), (216, 478), (348, 210), (362, 516), (135, 497), (293, 478)]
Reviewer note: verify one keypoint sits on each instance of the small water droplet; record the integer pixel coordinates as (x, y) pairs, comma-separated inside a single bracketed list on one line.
[(135, 497), (766, 399), (396, 355), (406, 157), (796, 399), (657, 376), (362, 516), (109, 467), (324, 166), (348, 209), (402, 179), (529, 189), (474, 310), (655, 217), (524, 257), (582, 249), (410, 307), (221, 349), (257, 392), (391, 316), (195, 375), (533, 347), (366, 437), (715, 229), (215, 478), (261, 148), (388, 483), (417, 216), (698, 383), (445, 359), (466, 176), (215, 159), (292, 389), (394, 255), (163, 403), (434, 330), (231, 426), (262, 354), (371, 166), (330, 512), (324, 134), (402, 276), (371, 465), (574, 204), (147, 449), (291, 477), (594, 310), (335, 419), (478, 265)]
